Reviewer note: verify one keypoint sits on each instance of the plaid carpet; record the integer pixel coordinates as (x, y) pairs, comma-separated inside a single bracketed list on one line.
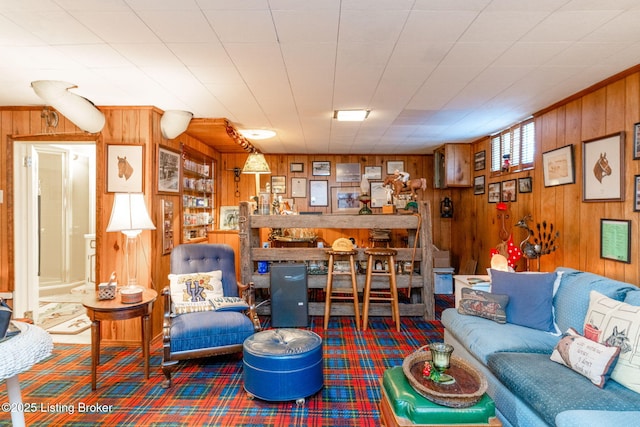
[(210, 391)]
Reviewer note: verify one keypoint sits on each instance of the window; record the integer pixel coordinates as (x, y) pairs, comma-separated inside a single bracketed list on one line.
[(518, 143)]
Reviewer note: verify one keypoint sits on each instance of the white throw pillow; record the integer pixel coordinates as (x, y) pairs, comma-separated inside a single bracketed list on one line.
[(615, 323), (192, 292)]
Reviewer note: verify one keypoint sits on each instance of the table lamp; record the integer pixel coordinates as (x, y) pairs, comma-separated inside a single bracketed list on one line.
[(130, 216), (256, 164)]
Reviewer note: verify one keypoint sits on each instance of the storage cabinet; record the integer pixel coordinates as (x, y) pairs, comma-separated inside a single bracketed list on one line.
[(421, 301), (452, 166), (197, 197)]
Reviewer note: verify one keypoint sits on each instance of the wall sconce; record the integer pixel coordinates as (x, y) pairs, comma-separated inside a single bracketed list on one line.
[(79, 110), (446, 208), (174, 122)]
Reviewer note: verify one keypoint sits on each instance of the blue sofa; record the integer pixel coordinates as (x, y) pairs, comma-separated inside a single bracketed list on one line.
[(528, 388)]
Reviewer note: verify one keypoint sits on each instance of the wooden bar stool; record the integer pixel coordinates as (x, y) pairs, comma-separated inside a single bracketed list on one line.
[(381, 295), (341, 293)]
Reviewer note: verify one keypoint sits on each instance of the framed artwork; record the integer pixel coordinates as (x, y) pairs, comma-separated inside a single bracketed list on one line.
[(348, 172), (494, 192), (479, 160), (636, 193), (168, 170), (345, 199), (380, 195), (603, 168), (279, 184), (318, 193), (125, 170), (392, 165), (321, 168), (478, 185), (615, 239), (229, 217), (636, 141), (509, 193), (373, 172), (167, 226), (558, 167), (296, 167), (298, 187), (525, 185)]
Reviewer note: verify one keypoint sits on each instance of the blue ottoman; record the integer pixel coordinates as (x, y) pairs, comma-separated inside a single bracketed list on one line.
[(283, 364)]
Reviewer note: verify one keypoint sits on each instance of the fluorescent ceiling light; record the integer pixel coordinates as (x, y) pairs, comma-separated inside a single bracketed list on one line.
[(351, 115), (257, 133)]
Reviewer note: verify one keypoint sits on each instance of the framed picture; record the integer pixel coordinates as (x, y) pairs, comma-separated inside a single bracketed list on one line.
[(509, 193), (345, 199), (348, 172), (478, 185), (167, 226), (380, 195), (373, 172), (298, 187), (318, 193), (168, 170), (603, 168), (636, 193), (125, 170), (494, 192), (615, 239), (296, 167), (525, 185), (279, 184), (321, 168), (636, 141), (394, 165), (479, 160), (229, 217), (558, 167)]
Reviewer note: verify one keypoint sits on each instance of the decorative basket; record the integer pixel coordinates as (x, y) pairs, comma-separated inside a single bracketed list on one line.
[(467, 390), (106, 291)]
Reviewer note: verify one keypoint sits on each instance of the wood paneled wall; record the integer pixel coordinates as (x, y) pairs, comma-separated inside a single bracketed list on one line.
[(608, 108)]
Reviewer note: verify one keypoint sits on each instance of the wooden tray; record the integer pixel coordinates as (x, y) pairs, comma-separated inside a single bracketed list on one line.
[(466, 391)]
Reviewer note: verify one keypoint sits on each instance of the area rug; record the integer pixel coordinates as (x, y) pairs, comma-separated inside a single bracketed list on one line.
[(63, 318), (209, 392)]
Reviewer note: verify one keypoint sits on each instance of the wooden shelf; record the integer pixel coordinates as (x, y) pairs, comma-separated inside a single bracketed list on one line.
[(421, 301)]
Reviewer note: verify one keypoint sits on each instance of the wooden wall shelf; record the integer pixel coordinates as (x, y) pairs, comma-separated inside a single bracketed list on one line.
[(421, 301)]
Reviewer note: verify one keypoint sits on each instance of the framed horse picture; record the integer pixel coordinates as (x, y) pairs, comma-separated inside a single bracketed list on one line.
[(125, 168), (603, 169)]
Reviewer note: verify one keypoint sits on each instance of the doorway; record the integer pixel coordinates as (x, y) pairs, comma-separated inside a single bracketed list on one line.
[(55, 187)]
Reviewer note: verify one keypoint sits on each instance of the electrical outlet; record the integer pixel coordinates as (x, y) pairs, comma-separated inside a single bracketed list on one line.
[(1, 197)]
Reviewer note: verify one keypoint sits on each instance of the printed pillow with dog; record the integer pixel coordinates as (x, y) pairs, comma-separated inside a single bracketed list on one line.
[(615, 323)]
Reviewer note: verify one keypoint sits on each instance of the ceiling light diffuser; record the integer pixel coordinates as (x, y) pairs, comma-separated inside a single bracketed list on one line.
[(257, 133), (351, 115)]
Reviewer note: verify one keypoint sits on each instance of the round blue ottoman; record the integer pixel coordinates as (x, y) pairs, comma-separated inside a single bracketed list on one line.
[(283, 364)]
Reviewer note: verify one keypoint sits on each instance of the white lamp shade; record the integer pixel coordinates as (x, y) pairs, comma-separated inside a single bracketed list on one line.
[(256, 163), (79, 110), (129, 214), (174, 122)]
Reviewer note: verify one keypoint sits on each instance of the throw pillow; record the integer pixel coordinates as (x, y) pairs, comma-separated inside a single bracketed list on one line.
[(588, 358), (229, 304), (483, 304), (191, 292), (530, 298), (617, 323)]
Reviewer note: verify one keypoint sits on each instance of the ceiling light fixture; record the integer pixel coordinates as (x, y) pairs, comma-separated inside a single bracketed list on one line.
[(257, 133), (174, 122), (350, 115), (79, 110)]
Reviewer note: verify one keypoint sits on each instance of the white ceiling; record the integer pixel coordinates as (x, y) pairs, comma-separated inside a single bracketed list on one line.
[(431, 71)]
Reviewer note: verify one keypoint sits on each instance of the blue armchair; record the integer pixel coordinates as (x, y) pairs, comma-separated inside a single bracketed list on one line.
[(205, 333)]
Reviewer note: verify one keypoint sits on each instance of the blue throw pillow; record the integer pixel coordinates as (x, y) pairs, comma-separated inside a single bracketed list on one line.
[(530, 298)]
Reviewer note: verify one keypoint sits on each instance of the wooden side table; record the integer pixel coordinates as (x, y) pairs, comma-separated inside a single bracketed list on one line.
[(114, 309)]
